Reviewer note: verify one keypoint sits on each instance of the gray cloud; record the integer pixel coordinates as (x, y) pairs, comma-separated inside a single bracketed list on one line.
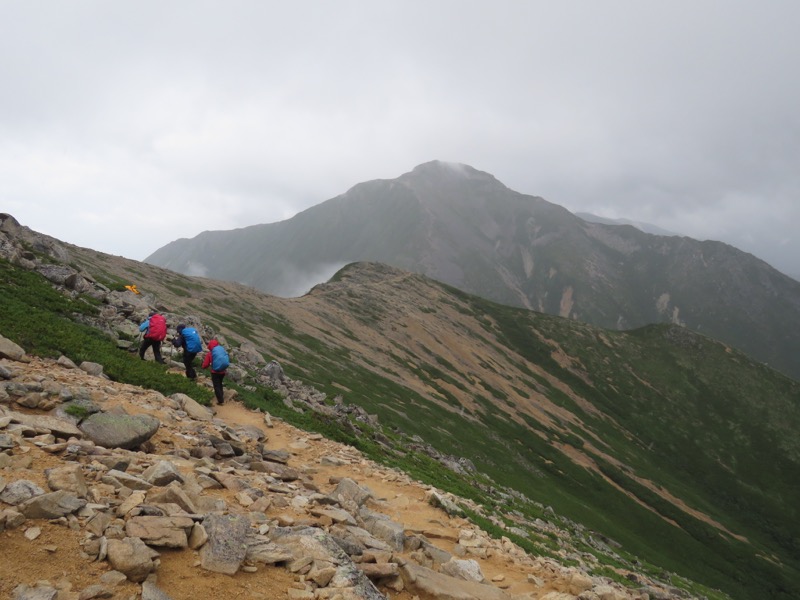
[(124, 127)]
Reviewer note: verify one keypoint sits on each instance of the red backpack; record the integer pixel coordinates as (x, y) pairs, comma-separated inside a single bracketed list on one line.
[(158, 328)]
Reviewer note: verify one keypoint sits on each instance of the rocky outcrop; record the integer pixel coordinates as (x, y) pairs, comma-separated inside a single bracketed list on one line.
[(242, 504)]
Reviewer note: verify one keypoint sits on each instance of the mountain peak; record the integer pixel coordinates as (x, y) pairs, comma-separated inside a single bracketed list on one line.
[(446, 169)]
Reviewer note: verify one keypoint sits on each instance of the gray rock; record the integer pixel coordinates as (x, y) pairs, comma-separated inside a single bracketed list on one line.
[(170, 532), (132, 557), (316, 546), (436, 554), (361, 537), (174, 494), (261, 550), (118, 430), (274, 372), (97, 524), (337, 515), (197, 537), (95, 591), (113, 578), (65, 362), (427, 583), (350, 495), (92, 368), (60, 428), (78, 283), (451, 508), (226, 548), (383, 528), (376, 571), (32, 400), (11, 519), (7, 442), (56, 273), (468, 570), (17, 492), (193, 408), (277, 470), (120, 478), (52, 505), (10, 350), (68, 478), (162, 473), (151, 591), (279, 456), (40, 592)]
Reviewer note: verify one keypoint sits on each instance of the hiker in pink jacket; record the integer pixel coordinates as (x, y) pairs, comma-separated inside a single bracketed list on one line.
[(155, 330)]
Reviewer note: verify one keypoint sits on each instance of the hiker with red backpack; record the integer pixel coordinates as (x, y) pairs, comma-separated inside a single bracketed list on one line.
[(217, 359), (155, 330)]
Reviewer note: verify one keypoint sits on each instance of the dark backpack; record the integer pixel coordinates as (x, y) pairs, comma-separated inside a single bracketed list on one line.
[(157, 330), (219, 359)]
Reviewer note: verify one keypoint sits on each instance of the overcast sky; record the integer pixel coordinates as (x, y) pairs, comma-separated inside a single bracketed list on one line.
[(126, 125)]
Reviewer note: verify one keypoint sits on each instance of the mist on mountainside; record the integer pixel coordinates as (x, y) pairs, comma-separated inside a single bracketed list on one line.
[(463, 227)]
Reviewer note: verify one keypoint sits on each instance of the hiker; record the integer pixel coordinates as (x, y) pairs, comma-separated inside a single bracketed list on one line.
[(155, 330), (217, 359), (190, 341)]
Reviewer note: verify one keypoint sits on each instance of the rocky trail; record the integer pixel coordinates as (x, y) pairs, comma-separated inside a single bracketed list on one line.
[(158, 497), (108, 490)]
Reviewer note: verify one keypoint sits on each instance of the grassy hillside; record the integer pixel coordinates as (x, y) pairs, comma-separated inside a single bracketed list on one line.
[(672, 446)]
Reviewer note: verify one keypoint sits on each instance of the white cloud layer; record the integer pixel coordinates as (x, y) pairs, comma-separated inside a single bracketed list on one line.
[(124, 126)]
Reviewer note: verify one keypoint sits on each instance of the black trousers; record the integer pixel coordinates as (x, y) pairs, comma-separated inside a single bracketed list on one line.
[(216, 380), (188, 360), (156, 345)]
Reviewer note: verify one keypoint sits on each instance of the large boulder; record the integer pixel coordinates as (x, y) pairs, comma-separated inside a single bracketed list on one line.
[(60, 428), (51, 506), (226, 547), (10, 350), (111, 430), (430, 584)]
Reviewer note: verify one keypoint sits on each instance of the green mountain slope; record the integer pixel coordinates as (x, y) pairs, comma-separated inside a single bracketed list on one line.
[(462, 227), (676, 447)]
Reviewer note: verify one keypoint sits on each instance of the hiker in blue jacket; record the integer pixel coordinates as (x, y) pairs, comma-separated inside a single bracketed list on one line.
[(192, 345), (217, 359)]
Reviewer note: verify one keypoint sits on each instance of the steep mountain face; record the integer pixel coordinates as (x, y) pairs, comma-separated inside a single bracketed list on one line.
[(463, 227), (658, 442)]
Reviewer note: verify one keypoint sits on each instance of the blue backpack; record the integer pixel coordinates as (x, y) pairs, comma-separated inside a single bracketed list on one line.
[(219, 359), (192, 338)]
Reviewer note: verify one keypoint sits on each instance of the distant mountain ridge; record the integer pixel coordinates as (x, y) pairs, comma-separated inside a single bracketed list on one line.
[(465, 228), (642, 226)]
